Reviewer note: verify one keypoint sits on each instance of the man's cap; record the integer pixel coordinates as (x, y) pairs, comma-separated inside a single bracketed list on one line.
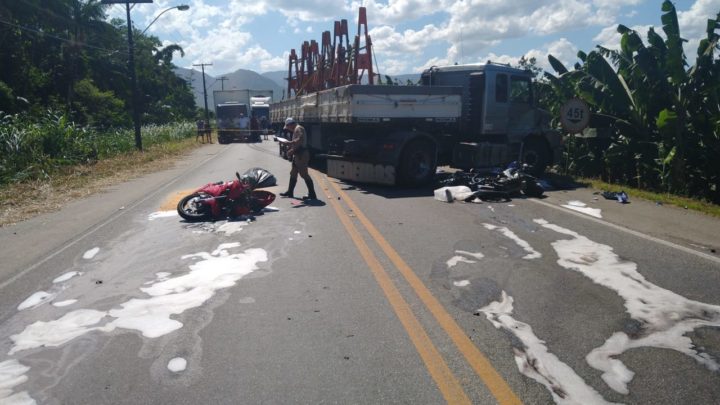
[(289, 121)]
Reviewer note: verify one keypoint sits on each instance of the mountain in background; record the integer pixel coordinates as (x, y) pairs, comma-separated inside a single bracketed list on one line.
[(247, 79), (414, 78), (237, 80), (280, 75)]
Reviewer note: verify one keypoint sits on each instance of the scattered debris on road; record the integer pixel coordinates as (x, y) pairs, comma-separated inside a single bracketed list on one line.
[(619, 196), (582, 207), (492, 185)]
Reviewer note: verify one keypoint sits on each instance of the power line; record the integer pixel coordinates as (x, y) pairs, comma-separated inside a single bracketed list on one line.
[(202, 65), (67, 40)]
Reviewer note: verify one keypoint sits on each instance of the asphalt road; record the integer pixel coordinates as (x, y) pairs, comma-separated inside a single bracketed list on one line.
[(373, 295)]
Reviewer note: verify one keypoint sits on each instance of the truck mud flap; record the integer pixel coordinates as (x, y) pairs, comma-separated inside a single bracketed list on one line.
[(362, 172)]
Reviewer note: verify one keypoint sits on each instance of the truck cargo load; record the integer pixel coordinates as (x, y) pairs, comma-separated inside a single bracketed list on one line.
[(466, 116)]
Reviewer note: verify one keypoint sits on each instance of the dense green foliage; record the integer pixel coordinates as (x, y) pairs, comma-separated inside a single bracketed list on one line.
[(65, 89), (64, 55), (36, 146), (661, 118)]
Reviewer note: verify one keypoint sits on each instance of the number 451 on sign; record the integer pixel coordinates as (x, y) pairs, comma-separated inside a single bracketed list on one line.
[(574, 116)]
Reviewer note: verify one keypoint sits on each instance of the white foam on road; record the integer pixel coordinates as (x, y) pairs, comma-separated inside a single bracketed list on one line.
[(580, 206), (535, 361), (91, 253), (270, 208), (476, 255), (149, 316), (232, 227), (532, 253), (12, 374), (162, 214), (461, 283), (57, 332), (67, 276), (36, 300), (462, 256), (177, 365), (65, 303), (453, 261), (222, 250), (665, 317)]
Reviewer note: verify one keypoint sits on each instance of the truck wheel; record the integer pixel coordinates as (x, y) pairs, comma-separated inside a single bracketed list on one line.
[(417, 163), (536, 154)]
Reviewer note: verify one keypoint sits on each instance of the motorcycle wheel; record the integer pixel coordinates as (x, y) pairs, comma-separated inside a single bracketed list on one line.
[(190, 210)]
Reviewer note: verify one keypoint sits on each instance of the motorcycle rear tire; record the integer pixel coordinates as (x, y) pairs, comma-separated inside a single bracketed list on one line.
[(191, 214)]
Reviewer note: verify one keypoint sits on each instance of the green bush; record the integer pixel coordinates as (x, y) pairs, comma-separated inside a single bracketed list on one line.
[(35, 147)]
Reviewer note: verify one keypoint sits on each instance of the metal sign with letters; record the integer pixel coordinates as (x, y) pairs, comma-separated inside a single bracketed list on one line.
[(575, 116)]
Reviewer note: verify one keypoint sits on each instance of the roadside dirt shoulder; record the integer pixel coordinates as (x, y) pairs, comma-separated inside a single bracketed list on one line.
[(23, 243), (685, 227)]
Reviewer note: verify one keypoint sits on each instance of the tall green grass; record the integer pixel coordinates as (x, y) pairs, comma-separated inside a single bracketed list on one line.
[(34, 147)]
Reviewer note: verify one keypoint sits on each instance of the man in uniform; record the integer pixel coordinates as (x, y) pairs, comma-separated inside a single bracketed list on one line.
[(300, 156)]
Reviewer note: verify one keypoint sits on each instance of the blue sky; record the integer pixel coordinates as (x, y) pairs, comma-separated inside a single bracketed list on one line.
[(408, 35)]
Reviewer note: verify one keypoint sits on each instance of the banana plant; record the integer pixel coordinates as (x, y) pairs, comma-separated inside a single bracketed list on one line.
[(664, 116)]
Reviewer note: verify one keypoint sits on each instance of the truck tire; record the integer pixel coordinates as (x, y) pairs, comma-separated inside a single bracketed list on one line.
[(536, 154), (417, 163)]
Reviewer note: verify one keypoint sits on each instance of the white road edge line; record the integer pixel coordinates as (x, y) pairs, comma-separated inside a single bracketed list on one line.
[(631, 232), (102, 224)]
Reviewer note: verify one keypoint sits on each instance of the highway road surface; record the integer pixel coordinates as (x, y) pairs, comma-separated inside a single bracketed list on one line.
[(373, 295)]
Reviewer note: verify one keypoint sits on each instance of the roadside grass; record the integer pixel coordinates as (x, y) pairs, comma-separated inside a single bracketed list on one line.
[(663, 198), (21, 201)]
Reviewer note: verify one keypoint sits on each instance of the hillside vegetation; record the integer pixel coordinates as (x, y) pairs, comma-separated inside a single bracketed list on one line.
[(659, 117), (65, 89)]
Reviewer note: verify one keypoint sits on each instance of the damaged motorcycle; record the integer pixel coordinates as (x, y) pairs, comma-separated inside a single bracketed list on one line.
[(501, 185), (224, 199)]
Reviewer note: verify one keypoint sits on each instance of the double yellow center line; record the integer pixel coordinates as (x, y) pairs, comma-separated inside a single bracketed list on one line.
[(446, 381)]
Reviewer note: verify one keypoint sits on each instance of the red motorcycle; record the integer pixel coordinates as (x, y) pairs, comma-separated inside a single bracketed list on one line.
[(234, 198)]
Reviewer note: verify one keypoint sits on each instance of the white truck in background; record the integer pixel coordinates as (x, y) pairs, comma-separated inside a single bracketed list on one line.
[(232, 105)]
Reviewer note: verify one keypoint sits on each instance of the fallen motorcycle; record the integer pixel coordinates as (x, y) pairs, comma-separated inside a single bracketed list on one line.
[(224, 199), (501, 185)]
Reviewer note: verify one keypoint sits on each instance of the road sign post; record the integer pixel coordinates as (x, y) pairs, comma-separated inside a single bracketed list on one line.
[(575, 116)]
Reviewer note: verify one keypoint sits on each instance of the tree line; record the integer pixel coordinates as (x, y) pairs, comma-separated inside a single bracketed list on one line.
[(64, 55), (657, 117), (65, 89)]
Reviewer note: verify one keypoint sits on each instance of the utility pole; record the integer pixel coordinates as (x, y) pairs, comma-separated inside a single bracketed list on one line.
[(136, 99), (133, 79), (222, 82), (202, 66)]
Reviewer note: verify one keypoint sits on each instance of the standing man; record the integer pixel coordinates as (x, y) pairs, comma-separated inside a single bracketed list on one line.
[(243, 121), (208, 130), (300, 156)]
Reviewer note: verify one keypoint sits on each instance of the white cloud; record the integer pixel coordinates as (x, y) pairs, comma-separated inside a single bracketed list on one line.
[(693, 21), (309, 10), (399, 11), (387, 41), (407, 34), (610, 38)]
